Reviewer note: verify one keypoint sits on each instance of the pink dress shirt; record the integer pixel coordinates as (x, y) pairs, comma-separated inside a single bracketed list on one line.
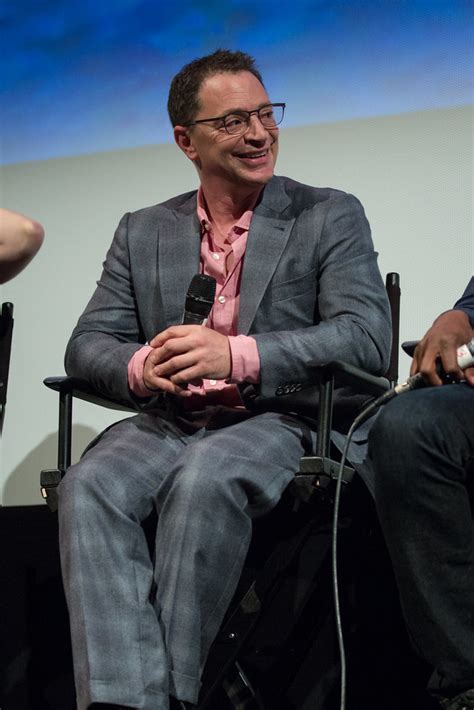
[(223, 317)]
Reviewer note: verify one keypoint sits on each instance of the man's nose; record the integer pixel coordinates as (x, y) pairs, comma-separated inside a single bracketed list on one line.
[(256, 130)]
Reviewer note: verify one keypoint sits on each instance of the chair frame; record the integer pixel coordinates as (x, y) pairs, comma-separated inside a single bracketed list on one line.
[(6, 335)]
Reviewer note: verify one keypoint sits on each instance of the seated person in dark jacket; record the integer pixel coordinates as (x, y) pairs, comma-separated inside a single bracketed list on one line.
[(422, 448)]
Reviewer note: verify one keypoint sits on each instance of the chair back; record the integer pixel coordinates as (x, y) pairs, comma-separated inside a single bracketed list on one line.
[(6, 332), (392, 284)]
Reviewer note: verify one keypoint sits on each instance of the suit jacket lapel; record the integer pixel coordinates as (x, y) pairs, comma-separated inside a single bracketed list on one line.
[(268, 235), (178, 259), (179, 254)]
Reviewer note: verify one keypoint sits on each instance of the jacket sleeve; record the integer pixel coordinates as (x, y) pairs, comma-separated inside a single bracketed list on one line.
[(466, 302), (109, 332), (352, 320)]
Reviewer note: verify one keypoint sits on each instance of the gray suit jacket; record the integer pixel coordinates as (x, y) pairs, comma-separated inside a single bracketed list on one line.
[(311, 290)]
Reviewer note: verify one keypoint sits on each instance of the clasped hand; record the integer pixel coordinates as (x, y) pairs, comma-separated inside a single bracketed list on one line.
[(186, 354)]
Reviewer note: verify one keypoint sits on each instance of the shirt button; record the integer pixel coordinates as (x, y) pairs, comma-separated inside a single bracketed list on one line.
[(221, 299), (216, 256), (213, 382)]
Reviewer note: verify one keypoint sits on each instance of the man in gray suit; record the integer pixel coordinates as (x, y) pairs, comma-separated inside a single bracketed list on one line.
[(297, 282)]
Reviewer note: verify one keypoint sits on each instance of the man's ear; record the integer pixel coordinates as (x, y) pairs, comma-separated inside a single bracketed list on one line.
[(184, 141)]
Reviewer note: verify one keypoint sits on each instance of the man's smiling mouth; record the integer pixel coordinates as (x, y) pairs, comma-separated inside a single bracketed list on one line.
[(252, 156)]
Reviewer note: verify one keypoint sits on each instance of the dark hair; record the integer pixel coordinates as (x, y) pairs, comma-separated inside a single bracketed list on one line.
[(183, 102)]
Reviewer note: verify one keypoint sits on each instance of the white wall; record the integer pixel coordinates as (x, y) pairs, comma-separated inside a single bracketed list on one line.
[(412, 172)]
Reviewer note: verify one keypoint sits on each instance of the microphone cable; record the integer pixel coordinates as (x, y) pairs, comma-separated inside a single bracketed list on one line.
[(465, 358), (360, 419)]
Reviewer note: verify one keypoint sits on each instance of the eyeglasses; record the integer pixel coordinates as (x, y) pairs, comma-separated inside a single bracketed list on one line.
[(270, 115)]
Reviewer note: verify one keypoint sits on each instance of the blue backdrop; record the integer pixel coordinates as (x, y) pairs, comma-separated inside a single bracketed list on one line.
[(84, 76)]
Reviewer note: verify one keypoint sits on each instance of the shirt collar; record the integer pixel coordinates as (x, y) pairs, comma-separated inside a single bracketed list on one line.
[(242, 225)]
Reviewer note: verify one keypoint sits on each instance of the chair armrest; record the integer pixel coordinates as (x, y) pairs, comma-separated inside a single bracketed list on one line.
[(303, 399), (346, 374), (409, 346), (83, 390), (67, 388)]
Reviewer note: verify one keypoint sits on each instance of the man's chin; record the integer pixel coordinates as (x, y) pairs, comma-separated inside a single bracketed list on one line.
[(258, 178)]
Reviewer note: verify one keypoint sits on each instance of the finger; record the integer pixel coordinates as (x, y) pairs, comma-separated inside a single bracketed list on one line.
[(418, 356), (184, 383), (430, 374), (427, 367), (160, 384), (414, 368), (175, 364), (469, 376), (174, 331), (152, 380), (424, 362), (191, 375), (173, 348), (159, 339), (449, 361)]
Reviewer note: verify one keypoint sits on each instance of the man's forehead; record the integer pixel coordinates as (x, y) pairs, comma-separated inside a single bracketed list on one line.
[(224, 92)]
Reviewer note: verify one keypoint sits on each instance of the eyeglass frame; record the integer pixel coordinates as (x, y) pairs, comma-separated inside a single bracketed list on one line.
[(238, 112)]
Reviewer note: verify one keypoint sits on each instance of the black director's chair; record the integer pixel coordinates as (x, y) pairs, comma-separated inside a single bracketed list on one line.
[(257, 654), (277, 648)]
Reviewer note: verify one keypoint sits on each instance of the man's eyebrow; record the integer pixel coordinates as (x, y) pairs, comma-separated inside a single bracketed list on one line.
[(244, 110)]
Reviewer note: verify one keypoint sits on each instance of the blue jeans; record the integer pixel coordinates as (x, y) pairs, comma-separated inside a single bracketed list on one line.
[(422, 450)]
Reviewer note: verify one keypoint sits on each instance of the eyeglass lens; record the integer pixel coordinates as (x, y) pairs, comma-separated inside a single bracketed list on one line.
[(270, 116)]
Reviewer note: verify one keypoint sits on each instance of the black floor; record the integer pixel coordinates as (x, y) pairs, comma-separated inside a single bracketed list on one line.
[(35, 654)]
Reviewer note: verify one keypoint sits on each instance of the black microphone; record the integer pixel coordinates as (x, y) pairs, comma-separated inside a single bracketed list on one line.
[(199, 300)]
